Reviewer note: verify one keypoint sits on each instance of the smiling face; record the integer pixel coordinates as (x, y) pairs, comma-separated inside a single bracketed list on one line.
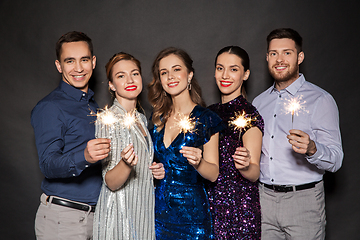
[(76, 64), (283, 61), (126, 81), (174, 75), (229, 75)]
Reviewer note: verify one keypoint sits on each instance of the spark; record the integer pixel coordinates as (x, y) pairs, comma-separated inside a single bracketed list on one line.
[(129, 119), (185, 123), (106, 117), (241, 120), (294, 106)]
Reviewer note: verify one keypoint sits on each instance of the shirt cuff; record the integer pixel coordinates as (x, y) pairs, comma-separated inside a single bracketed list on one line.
[(317, 155), (80, 163)]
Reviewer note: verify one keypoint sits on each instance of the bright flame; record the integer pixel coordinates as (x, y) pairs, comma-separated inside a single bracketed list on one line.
[(294, 106), (106, 117), (129, 119), (241, 120), (185, 123)]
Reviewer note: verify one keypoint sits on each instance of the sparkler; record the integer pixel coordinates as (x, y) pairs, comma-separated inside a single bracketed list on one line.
[(294, 106), (128, 121), (185, 123), (241, 121)]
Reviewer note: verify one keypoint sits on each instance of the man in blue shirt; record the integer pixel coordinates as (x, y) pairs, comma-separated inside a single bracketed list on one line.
[(299, 144), (69, 156)]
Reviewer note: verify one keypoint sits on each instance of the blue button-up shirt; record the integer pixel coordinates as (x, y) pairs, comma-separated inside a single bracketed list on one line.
[(63, 125), (318, 117)]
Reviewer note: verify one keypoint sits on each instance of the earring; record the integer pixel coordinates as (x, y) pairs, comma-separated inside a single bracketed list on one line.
[(188, 86), (164, 93)]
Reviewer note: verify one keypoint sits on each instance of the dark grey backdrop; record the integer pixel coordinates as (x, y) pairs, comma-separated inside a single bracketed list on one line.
[(29, 30)]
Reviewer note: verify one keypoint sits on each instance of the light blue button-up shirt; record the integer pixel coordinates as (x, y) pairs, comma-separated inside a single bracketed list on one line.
[(318, 117)]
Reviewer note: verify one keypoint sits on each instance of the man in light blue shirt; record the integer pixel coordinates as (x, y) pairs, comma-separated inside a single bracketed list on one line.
[(299, 144)]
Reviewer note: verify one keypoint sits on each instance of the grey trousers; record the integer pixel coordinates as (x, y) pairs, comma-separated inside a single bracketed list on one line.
[(293, 215), (57, 222)]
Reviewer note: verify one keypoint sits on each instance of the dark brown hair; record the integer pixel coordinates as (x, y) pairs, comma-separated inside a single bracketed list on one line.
[(72, 37), (162, 102), (245, 60), (286, 33)]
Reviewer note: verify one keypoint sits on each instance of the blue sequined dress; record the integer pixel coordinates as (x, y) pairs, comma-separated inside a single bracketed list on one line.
[(181, 202), (234, 200)]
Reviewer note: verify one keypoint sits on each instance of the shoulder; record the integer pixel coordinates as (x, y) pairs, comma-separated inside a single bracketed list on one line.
[(318, 92)]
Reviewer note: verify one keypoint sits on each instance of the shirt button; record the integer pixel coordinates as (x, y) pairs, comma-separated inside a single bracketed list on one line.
[(271, 158), (274, 115), (74, 174), (272, 180), (272, 136), (86, 165)]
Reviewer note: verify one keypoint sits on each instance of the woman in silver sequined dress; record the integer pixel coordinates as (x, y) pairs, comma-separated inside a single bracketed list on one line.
[(125, 208)]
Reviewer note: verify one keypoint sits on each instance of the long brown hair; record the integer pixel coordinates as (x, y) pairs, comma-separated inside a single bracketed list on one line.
[(109, 67), (159, 100)]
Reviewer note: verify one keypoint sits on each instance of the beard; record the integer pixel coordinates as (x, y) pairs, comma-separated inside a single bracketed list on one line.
[(289, 75)]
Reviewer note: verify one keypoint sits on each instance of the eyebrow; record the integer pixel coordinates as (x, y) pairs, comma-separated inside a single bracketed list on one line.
[(72, 58), (283, 50), (134, 70), (171, 67), (235, 65)]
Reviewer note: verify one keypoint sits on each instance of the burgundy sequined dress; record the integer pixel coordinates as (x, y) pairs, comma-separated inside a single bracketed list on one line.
[(234, 200)]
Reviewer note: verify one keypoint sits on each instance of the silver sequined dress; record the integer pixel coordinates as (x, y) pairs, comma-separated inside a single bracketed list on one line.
[(127, 213)]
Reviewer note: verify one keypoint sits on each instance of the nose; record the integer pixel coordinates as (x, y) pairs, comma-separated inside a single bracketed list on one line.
[(225, 74), (170, 75), (78, 67), (130, 79), (279, 58)]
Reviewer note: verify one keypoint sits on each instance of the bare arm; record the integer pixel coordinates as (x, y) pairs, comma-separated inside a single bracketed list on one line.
[(117, 176), (206, 162), (247, 158)]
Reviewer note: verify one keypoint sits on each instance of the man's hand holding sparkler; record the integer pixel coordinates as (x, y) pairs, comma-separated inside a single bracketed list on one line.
[(301, 142), (157, 170), (97, 149), (242, 158)]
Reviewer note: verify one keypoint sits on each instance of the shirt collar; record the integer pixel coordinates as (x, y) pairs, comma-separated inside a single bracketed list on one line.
[(74, 92), (294, 87)]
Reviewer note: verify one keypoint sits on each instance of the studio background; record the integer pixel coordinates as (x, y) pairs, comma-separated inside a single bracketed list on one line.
[(30, 29)]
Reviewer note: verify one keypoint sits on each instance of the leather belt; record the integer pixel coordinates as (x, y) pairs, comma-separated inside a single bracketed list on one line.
[(287, 188), (66, 203)]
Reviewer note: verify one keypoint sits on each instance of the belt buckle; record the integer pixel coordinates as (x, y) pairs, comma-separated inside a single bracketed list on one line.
[(281, 188)]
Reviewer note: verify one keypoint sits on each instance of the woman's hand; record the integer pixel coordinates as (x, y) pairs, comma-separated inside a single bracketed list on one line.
[(242, 158), (193, 155), (128, 155), (157, 170)]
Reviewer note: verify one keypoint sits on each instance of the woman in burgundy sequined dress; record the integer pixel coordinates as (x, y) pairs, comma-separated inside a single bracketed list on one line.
[(234, 197)]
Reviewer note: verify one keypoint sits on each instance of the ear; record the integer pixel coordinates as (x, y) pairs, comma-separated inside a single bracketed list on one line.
[(267, 57), (58, 66), (301, 57), (111, 86), (190, 76), (246, 75), (94, 61)]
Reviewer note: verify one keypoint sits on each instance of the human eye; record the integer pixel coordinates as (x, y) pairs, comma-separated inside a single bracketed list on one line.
[(136, 74), (287, 53), (272, 54), (162, 73), (234, 69), (177, 69), (120, 76), (69, 61), (219, 68)]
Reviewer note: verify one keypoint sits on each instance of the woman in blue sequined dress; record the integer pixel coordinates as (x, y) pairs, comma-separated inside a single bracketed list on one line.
[(234, 196), (190, 155)]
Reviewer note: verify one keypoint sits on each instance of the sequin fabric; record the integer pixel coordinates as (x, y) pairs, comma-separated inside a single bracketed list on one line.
[(234, 200), (181, 202), (127, 213)]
